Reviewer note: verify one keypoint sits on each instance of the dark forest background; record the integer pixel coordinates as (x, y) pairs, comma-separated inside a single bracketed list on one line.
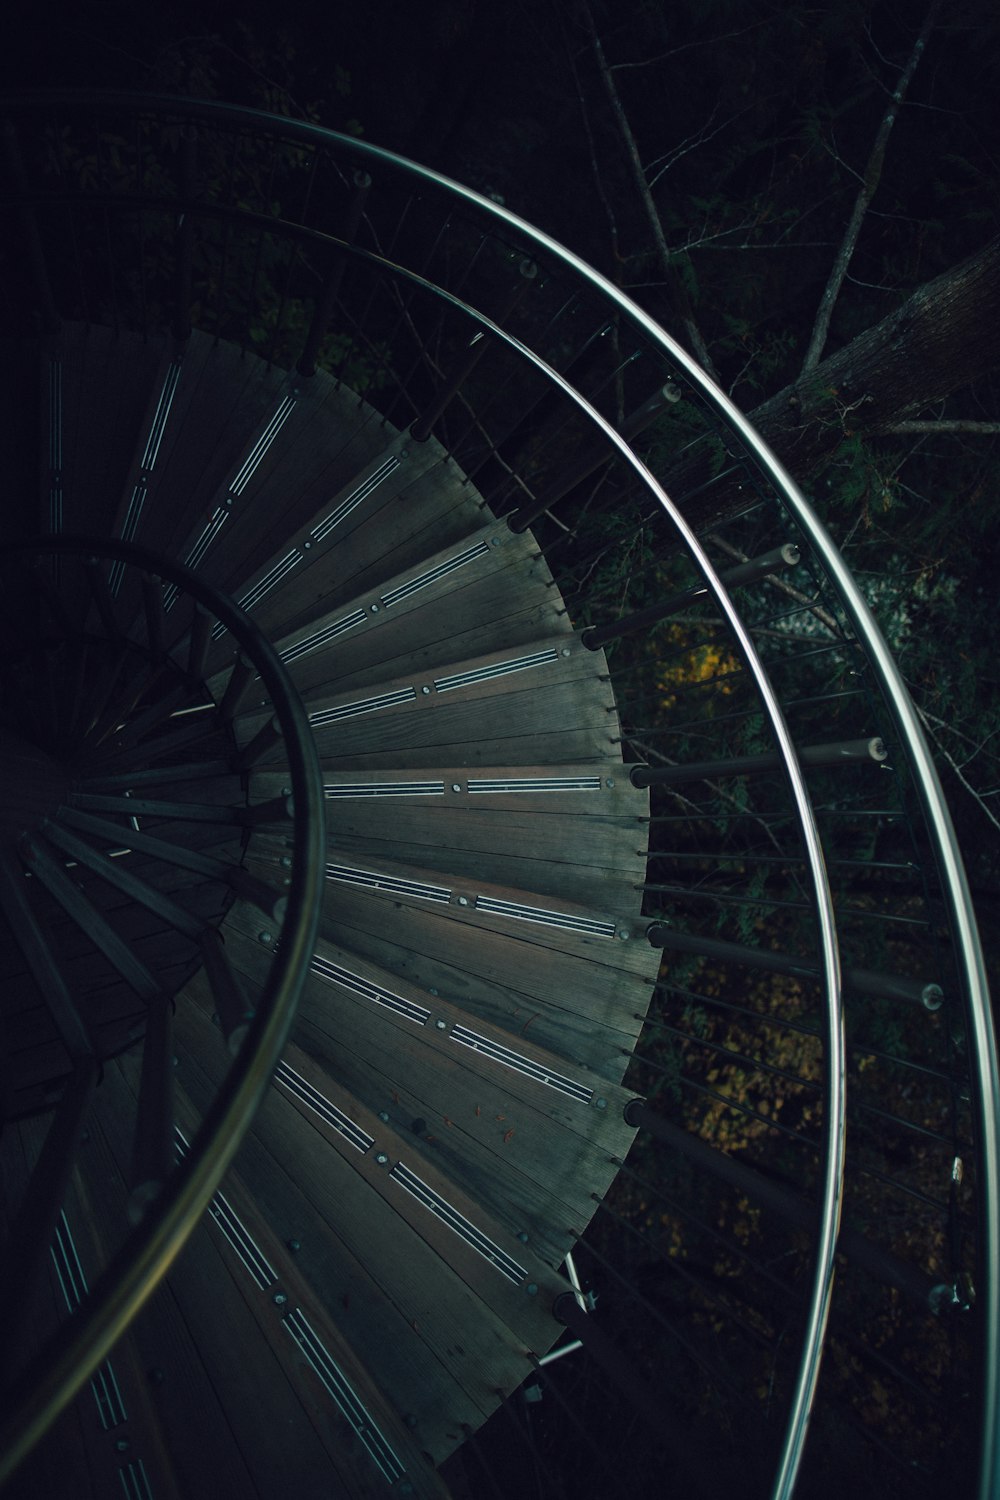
[(805, 195)]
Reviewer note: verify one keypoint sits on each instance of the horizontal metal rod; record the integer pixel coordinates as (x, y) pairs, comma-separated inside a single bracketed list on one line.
[(841, 752), (867, 981), (785, 556), (775, 1195)]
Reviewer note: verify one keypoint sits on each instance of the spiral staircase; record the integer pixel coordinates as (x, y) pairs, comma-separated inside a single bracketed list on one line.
[(492, 1005)]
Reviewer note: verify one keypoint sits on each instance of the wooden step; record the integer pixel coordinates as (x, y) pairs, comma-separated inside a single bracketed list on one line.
[(546, 701), (443, 1302), (491, 584), (578, 831)]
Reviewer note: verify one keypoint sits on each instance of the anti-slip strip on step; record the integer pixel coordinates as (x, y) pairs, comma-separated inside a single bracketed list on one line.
[(339, 1388), (354, 499), (497, 785), (348, 875), (594, 926), (362, 706), (235, 1231), (450, 565), (245, 473), (520, 1064), (458, 1223), (497, 669), (107, 1394), (140, 489), (321, 637), (336, 790), (270, 580), (320, 1105), (335, 974), (135, 1481), (216, 521)]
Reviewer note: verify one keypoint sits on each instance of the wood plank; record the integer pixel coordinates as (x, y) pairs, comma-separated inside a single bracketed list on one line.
[(449, 1307), (491, 585), (512, 1124), (588, 844), (548, 701)]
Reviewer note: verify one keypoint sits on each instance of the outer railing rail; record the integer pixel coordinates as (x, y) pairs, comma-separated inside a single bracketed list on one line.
[(426, 293)]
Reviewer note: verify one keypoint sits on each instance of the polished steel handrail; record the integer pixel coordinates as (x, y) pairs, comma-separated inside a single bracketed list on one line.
[(970, 964), (61, 1368)]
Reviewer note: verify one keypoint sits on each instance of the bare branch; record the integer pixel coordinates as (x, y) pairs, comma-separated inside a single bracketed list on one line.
[(929, 720), (873, 172), (945, 424), (783, 587), (710, 41), (698, 345), (693, 141)]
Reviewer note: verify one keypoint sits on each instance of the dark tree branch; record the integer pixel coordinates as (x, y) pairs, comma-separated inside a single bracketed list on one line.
[(866, 192), (945, 424), (663, 253)]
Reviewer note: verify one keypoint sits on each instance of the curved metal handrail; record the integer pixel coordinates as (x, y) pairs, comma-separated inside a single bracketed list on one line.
[(945, 849), (86, 1339)]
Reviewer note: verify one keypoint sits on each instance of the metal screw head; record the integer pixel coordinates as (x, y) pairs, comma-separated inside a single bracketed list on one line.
[(610, 781), (532, 1289), (306, 546), (286, 791), (294, 1245), (381, 1158), (624, 932), (601, 1103), (523, 1236), (566, 651), (425, 689), (265, 937), (494, 541), (456, 786), (375, 609), (121, 1446), (383, 1115), (441, 1025), (463, 900), (286, 863), (279, 1299)]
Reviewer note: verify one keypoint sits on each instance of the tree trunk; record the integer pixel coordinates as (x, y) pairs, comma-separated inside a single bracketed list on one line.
[(944, 336)]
